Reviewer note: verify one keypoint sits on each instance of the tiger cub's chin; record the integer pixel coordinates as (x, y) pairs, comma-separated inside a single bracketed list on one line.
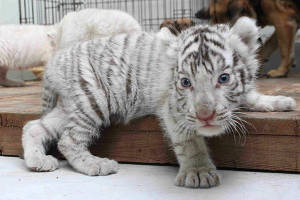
[(210, 131)]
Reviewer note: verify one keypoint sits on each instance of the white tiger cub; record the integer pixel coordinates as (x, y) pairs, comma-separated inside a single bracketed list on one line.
[(193, 84), (23, 47), (91, 23)]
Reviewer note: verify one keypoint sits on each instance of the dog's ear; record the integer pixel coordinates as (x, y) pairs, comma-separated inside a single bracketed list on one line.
[(247, 32), (203, 14)]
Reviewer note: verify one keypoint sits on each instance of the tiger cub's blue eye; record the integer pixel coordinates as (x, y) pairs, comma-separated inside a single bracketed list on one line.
[(186, 83), (224, 78)]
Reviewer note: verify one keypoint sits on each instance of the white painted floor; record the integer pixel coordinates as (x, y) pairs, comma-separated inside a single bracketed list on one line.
[(138, 182)]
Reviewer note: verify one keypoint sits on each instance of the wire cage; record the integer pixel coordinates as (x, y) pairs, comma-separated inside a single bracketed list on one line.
[(150, 13)]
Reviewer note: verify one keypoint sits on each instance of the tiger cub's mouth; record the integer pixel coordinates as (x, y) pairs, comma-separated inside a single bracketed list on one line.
[(208, 125)]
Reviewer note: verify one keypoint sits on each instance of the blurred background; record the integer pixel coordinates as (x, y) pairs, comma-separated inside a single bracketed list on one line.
[(150, 13)]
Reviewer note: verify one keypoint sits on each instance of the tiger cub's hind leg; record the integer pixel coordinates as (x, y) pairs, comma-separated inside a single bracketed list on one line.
[(36, 135), (74, 146)]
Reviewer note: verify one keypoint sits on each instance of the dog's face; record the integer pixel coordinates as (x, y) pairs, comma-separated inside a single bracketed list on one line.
[(178, 25), (230, 11), (240, 8)]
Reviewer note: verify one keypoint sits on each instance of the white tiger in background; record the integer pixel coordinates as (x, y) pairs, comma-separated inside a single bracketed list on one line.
[(23, 47), (88, 24), (194, 84)]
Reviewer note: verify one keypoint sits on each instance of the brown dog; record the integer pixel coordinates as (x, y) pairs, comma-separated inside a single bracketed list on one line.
[(178, 25), (284, 15)]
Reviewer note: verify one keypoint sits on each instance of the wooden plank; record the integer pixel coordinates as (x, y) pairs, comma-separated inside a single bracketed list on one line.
[(129, 146), (10, 141), (272, 142), (150, 123), (272, 126), (24, 100), (263, 152)]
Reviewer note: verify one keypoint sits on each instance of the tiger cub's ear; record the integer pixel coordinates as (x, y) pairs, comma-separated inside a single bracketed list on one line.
[(247, 32)]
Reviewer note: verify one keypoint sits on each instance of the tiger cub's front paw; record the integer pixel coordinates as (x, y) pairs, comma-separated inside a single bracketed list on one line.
[(198, 178), (95, 166), (284, 104), (41, 163), (276, 103)]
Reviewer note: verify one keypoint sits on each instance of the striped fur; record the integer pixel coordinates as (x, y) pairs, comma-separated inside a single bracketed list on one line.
[(93, 84)]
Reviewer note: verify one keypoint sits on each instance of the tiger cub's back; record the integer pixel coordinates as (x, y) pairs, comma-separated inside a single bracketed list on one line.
[(124, 71)]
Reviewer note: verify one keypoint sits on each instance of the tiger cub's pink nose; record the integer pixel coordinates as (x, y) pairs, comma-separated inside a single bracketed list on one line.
[(206, 115)]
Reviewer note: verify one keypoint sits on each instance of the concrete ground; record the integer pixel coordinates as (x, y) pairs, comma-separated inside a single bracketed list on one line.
[(138, 182)]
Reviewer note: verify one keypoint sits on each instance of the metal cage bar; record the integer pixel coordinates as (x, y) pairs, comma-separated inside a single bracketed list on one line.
[(150, 13)]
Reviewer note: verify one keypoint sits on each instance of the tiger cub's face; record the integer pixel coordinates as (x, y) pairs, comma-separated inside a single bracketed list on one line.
[(216, 66)]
